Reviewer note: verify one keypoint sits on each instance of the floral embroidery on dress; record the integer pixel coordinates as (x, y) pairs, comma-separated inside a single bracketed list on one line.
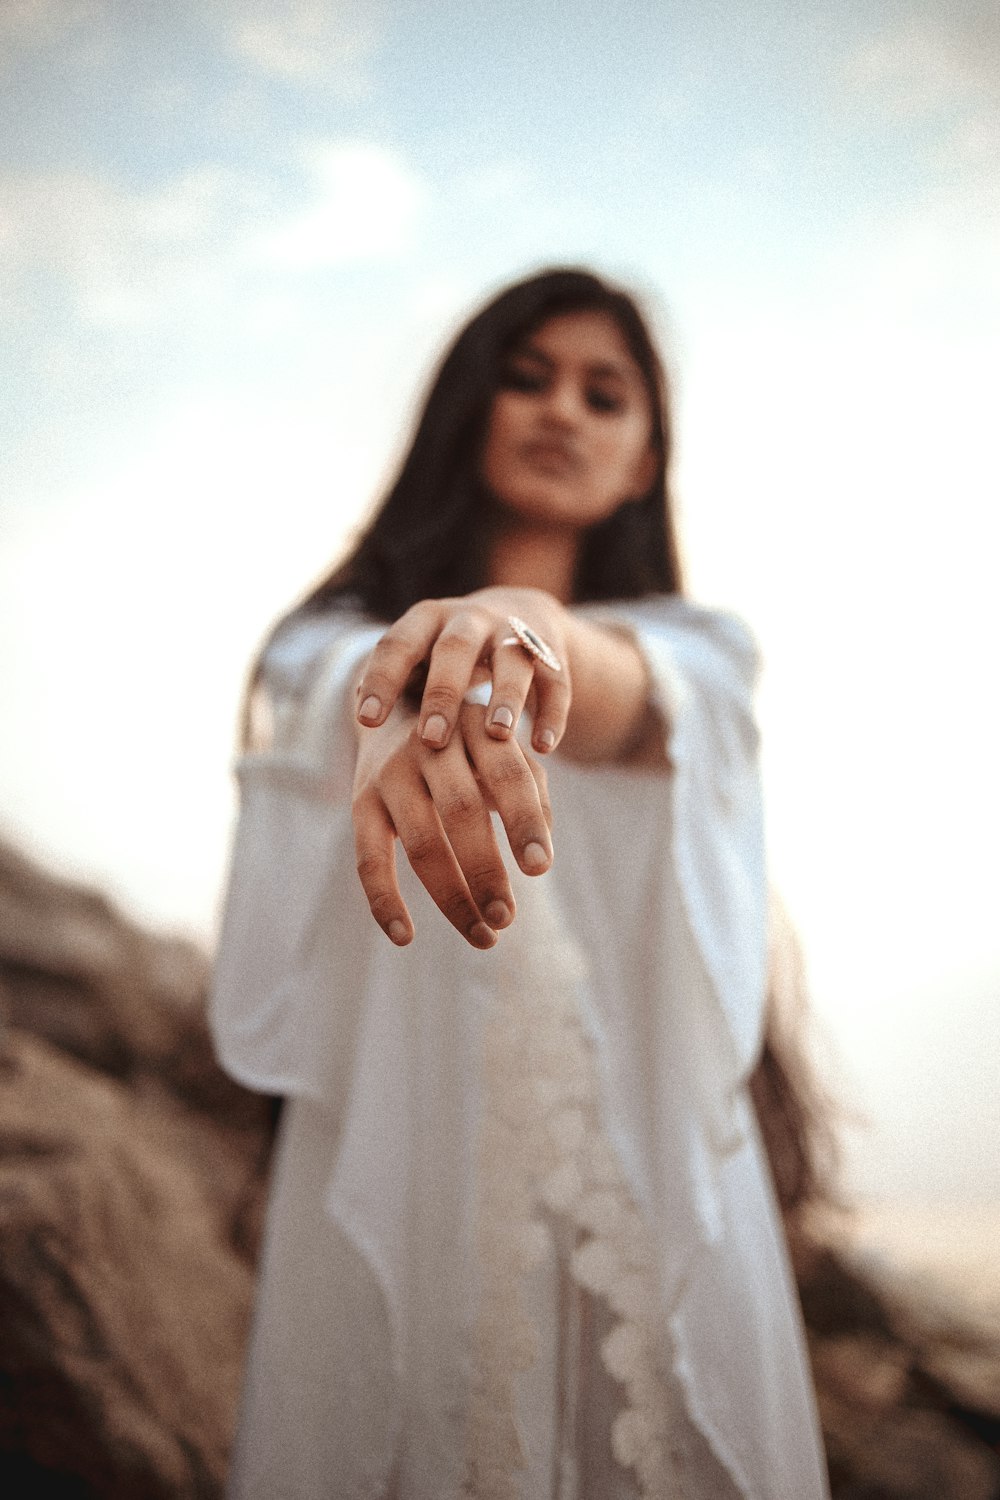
[(542, 1148)]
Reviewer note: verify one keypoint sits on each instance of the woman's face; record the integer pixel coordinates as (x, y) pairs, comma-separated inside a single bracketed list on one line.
[(569, 437)]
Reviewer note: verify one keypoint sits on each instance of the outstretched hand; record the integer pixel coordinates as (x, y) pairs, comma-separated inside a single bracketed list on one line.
[(438, 803), (456, 639)]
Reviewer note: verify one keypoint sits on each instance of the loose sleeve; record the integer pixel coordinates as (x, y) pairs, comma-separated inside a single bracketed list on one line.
[(703, 666), (291, 869)]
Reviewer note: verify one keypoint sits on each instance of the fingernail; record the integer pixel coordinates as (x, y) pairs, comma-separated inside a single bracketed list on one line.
[(371, 708), (482, 936), (546, 739), (535, 857), (435, 730), (498, 914), (503, 717), (398, 932)]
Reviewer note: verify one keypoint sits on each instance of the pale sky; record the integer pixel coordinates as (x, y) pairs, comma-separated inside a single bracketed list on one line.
[(233, 237)]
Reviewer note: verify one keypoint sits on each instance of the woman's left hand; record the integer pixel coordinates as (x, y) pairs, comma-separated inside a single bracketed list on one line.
[(461, 641)]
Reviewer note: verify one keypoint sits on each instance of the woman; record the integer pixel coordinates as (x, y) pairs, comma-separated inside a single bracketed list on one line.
[(522, 1238)]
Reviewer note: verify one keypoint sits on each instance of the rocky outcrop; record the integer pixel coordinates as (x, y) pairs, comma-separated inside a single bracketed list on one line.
[(908, 1388), (131, 1185), (132, 1180)]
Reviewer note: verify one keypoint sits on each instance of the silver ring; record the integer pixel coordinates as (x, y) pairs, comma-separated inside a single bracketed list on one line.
[(527, 639)]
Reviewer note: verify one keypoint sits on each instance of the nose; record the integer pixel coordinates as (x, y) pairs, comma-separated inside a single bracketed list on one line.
[(563, 404)]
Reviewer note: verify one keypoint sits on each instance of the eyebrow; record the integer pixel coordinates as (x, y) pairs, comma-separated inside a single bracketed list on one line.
[(601, 371)]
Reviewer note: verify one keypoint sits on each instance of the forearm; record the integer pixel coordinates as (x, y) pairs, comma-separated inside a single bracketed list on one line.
[(610, 712)]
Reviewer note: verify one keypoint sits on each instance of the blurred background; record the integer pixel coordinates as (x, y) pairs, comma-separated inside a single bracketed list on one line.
[(234, 236)]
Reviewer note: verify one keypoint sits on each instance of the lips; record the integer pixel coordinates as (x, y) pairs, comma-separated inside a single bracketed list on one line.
[(552, 456)]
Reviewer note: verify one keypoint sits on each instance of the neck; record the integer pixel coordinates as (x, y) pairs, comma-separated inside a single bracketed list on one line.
[(539, 558)]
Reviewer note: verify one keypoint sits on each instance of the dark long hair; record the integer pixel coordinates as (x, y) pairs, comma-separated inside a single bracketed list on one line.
[(429, 538)]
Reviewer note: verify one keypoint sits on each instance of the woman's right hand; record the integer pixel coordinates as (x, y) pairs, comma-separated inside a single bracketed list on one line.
[(438, 803), (456, 639)]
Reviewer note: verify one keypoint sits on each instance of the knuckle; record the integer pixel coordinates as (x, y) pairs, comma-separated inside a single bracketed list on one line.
[(474, 617), (458, 639), (510, 689), (406, 638), (413, 624), (370, 867), (406, 652), (455, 905), (508, 773), (381, 678), (386, 649), (485, 880), (461, 805), (384, 906), (416, 615), (375, 680), (440, 699), (422, 847)]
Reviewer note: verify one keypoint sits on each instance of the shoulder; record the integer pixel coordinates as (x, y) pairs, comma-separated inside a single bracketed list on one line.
[(300, 643)]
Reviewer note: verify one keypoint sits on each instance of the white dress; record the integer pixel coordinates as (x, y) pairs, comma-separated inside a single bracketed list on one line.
[(522, 1240)]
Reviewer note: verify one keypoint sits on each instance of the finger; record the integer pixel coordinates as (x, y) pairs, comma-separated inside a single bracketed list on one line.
[(553, 696), (426, 846), (542, 783), (513, 673), (467, 824), (454, 657), (375, 851), (389, 668), (519, 797)]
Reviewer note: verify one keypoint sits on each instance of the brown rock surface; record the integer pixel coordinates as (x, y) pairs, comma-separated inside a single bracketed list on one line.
[(131, 1185), (123, 1306), (897, 1425)]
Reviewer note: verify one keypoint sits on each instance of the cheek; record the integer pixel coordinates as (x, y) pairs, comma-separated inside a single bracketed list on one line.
[(625, 461), (501, 429)]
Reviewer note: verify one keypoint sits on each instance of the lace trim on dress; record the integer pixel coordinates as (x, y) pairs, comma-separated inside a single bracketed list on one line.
[(542, 1148)]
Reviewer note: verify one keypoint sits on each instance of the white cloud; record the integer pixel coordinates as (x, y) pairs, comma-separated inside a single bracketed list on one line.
[(367, 205), (128, 256), (43, 23), (931, 86), (124, 256), (309, 40), (328, 42), (932, 61), (190, 206), (64, 222)]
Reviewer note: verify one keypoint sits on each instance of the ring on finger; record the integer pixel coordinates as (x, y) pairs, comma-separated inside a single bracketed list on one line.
[(530, 641)]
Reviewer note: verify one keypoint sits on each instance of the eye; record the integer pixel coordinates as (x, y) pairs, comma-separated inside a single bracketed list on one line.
[(601, 400), (526, 378)]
